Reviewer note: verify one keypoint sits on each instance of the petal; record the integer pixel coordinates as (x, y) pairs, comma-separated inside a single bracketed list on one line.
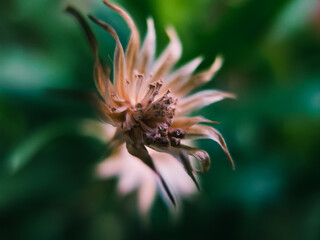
[(174, 173), (101, 73), (186, 122), (168, 58), (146, 195), (102, 131), (111, 117), (119, 65), (201, 99), (146, 55), (176, 80), (203, 131), (102, 80), (201, 78), (141, 152), (128, 181), (134, 42), (143, 63), (112, 166)]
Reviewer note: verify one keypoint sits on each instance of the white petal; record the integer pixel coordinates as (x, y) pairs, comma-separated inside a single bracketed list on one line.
[(146, 195), (174, 173)]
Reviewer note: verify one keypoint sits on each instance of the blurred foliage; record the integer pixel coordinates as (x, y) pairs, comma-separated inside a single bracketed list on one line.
[(272, 56)]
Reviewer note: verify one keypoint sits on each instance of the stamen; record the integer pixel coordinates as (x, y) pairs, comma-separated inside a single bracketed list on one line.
[(152, 92)]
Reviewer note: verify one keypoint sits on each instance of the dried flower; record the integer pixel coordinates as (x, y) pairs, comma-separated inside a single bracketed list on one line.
[(147, 104)]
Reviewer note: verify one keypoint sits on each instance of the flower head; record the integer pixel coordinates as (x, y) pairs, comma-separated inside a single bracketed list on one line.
[(147, 104)]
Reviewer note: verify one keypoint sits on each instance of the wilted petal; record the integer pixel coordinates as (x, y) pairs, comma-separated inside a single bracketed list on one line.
[(203, 131), (101, 73), (134, 42), (145, 105), (119, 65), (201, 78), (168, 58), (201, 155), (201, 99)]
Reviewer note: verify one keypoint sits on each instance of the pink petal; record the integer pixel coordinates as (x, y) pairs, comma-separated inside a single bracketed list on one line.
[(201, 99)]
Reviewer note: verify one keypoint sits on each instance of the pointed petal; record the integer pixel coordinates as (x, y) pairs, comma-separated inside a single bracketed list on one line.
[(201, 99), (101, 74), (168, 58), (203, 131), (176, 80), (146, 55), (201, 78), (141, 152), (119, 65), (186, 122), (134, 42)]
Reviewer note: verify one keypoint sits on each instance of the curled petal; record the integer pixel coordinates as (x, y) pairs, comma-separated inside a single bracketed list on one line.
[(134, 42), (201, 78), (201, 155), (87, 30), (101, 73), (139, 151), (119, 65), (201, 99), (168, 58), (203, 131)]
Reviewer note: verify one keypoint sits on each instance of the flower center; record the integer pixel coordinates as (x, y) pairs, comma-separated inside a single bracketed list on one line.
[(150, 120)]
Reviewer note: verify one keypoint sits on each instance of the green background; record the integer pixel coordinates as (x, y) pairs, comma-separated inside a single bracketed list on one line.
[(272, 55)]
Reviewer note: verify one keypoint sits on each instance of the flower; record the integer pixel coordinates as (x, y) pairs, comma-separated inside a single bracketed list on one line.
[(147, 106)]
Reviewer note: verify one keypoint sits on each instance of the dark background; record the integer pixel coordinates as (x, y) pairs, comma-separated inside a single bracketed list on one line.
[(272, 55)]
